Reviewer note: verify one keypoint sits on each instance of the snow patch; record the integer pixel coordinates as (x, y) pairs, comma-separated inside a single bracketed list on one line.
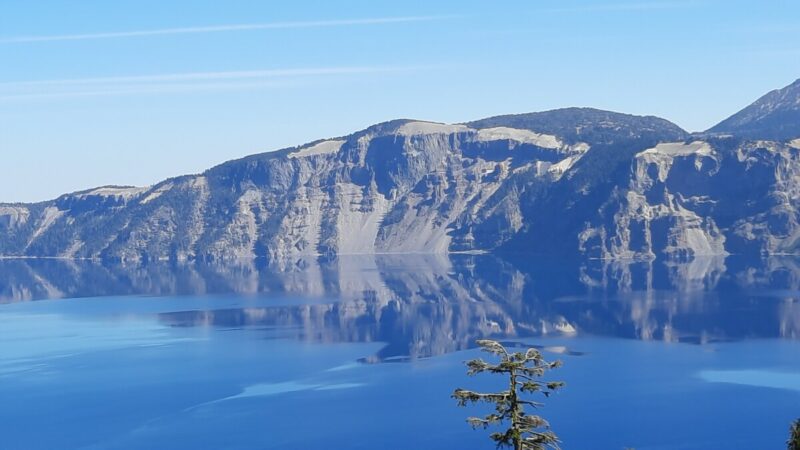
[(522, 136), (795, 144), (321, 148)]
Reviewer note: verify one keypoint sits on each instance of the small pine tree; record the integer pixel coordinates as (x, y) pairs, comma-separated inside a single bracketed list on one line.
[(525, 432), (794, 436)]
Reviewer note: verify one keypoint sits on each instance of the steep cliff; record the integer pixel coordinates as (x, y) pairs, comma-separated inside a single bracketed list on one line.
[(402, 186), (575, 181)]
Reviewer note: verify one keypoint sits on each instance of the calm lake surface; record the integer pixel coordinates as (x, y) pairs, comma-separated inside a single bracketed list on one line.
[(364, 352)]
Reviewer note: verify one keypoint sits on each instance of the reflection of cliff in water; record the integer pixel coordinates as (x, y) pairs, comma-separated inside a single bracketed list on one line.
[(423, 305)]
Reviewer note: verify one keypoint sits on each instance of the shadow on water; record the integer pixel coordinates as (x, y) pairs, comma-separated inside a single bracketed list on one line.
[(428, 305)]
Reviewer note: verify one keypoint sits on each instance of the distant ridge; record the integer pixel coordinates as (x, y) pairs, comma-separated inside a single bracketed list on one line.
[(578, 124), (775, 116), (575, 182)]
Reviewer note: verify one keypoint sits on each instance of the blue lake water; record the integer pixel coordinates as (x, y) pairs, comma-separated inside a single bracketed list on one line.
[(364, 352)]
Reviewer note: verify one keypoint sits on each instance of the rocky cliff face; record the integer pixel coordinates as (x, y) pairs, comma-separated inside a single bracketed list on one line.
[(573, 181)]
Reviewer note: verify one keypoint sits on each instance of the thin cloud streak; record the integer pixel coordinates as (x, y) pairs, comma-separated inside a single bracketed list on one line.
[(639, 6), (223, 28), (185, 82), (150, 89), (200, 76)]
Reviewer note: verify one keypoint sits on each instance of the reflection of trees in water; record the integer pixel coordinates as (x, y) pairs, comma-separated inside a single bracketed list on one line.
[(425, 305)]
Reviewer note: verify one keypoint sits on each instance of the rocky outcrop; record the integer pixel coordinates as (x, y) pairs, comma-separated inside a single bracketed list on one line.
[(575, 181), (404, 186), (661, 211), (775, 117)]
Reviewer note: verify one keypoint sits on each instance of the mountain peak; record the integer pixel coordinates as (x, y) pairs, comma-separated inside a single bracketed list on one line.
[(775, 116), (588, 125)]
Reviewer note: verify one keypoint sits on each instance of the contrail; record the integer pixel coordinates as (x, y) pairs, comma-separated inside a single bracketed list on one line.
[(185, 82), (149, 89), (205, 76), (633, 6), (221, 28)]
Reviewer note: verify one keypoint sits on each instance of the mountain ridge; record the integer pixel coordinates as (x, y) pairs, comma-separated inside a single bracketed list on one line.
[(774, 116), (579, 181)]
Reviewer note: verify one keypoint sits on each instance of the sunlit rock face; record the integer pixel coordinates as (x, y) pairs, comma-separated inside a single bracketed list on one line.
[(398, 187), (701, 198), (576, 181), (662, 210)]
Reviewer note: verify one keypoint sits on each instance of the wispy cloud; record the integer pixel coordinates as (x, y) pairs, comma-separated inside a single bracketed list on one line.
[(185, 82), (222, 28), (630, 6), (145, 89), (776, 52), (204, 76)]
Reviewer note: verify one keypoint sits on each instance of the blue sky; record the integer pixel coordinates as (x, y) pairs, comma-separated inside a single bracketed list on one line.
[(133, 91)]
